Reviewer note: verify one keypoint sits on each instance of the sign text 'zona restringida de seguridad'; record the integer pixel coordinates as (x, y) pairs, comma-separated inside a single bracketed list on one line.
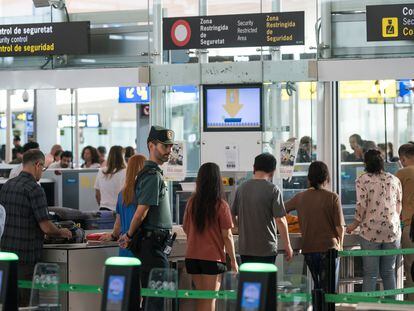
[(44, 39), (241, 30)]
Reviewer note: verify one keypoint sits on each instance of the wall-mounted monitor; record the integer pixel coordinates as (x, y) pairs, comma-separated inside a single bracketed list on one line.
[(16, 116), (232, 107)]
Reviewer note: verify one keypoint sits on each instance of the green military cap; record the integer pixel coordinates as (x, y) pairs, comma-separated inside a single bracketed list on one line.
[(161, 134)]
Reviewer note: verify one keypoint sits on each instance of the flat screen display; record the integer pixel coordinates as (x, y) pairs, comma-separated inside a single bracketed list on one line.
[(115, 294), (233, 108), (251, 296)]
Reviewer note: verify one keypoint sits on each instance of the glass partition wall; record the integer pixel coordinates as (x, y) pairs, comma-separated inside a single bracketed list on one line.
[(103, 121), (375, 114), (22, 118), (342, 31), (291, 116)]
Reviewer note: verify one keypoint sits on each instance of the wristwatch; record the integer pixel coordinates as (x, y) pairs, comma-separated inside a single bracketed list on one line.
[(128, 236)]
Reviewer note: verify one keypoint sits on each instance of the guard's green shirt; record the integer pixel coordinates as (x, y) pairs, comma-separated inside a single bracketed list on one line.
[(151, 190)]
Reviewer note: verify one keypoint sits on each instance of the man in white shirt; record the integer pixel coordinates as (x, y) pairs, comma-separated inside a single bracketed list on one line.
[(65, 161)]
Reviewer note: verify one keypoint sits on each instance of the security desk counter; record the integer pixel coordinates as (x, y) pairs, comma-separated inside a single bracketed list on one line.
[(80, 264), (84, 264)]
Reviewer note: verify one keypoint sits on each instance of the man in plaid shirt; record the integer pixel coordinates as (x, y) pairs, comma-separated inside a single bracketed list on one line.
[(27, 217)]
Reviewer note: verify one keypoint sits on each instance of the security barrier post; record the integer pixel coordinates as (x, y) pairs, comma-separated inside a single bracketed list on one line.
[(331, 277), (318, 299), (257, 287), (122, 286), (8, 281)]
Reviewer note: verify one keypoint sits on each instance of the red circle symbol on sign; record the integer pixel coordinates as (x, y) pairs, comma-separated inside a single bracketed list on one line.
[(181, 32)]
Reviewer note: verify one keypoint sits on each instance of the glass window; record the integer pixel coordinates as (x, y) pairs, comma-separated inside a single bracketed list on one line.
[(121, 39), (22, 118), (372, 115), (77, 6), (216, 7), (16, 7), (177, 8), (290, 116), (182, 116), (103, 121), (25, 7), (310, 7), (344, 23), (22, 115), (66, 111)]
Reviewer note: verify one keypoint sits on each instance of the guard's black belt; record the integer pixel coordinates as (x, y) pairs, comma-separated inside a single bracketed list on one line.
[(156, 233)]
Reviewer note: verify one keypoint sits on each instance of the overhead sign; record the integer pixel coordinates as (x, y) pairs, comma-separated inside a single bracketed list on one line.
[(134, 94), (405, 87), (221, 31), (368, 89), (390, 22), (44, 39), (184, 88), (85, 120)]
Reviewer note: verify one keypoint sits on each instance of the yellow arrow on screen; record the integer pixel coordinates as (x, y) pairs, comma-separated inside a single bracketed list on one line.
[(232, 105)]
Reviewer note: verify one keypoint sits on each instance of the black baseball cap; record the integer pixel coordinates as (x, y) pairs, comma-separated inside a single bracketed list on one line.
[(161, 135)]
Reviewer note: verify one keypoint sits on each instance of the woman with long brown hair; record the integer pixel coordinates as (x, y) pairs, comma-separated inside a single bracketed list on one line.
[(110, 179), (90, 157), (208, 224), (126, 205)]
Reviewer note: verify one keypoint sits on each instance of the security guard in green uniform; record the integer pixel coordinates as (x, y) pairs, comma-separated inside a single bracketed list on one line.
[(152, 219)]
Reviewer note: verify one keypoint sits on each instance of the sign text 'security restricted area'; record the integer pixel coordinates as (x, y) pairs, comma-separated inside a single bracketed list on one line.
[(243, 30)]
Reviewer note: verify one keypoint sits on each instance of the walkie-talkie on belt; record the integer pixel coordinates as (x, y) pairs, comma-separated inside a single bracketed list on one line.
[(169, 244)]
